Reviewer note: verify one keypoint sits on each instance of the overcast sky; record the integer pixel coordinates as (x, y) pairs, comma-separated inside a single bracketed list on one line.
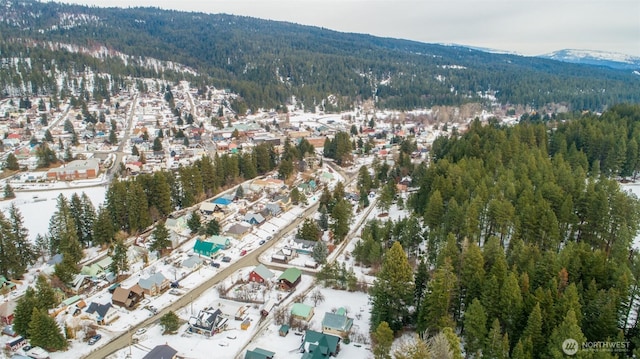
[(528, 27)]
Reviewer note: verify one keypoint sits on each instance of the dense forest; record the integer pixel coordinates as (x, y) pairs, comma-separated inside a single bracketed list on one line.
[(268, 62), (519, 238)]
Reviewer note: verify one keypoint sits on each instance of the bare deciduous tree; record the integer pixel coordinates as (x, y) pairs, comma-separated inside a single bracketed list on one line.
[(317, 297)]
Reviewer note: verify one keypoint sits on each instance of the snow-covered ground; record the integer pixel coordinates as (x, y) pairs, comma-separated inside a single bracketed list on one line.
[(39, 203)]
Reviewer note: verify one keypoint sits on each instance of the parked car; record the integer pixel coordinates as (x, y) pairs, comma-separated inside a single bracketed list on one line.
[(94, 339), (243, 252), (175, 292), (261, 242), (141, 331), (215, 264), (226, 259)]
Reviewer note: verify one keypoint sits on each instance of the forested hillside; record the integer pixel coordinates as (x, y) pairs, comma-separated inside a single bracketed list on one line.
[(268, 62), (528, 238)]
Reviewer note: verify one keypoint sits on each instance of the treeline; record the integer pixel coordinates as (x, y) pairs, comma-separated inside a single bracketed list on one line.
[(33, 69), (268, 62), (135, 204), (514, 245)]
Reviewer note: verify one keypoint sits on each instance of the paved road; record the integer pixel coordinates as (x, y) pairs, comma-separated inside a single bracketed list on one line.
[(249, 259), (125, 138)]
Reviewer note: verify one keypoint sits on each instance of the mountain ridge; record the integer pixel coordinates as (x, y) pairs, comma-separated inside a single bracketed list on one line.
[(269, 62), (596, 57)]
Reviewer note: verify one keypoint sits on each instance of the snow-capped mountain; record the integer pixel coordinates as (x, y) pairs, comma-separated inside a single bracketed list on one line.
[(597, 58)]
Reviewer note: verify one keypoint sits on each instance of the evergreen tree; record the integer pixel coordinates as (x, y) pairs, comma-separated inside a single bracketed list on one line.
[(11, 162), (120, 262), (8, 192), (20, 238), (533, 329), (157, 144), (454, 342), (471, 272), (421, 280), (45, 332), (87, 219), (475, 328), (45, 296), (10, 265), (393, 290), (341, 215), (436, 311), (240, 192), (24, 311), (496, 346), (213, 228), (170, 323), (320, 252), (383, 339), (568, 329), (103, 230), (160, 238), (194, 223), (309, 230)]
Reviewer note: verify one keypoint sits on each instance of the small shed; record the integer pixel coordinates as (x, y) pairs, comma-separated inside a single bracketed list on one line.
[(284, 330), (245, 324)]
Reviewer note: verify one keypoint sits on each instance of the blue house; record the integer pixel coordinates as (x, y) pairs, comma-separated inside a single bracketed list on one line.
[(254, 218)]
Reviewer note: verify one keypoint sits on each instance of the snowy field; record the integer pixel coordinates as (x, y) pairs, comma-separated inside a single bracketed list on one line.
[(37, 207)]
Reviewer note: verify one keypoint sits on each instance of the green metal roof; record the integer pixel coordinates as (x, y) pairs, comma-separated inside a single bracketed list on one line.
[(291, 275), (205, 248), (301, 310)]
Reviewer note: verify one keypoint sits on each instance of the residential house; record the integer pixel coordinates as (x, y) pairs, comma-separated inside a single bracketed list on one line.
[(80, 283), (254, 218), (92, 270), (238, 230), (274, 209), (175, 224), (283, 255), (260, 274), (192, 263), (301, 311), (127, 298), (221, 203), (289, 279), (163, 351), (6, 284), (303, 246), (220, 241), (207, 208), (154, 284), (7, 311), (259, 353), (316, 345), (284, 201), (205, 248), (102, 313), (337, 323), (208, 322)]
